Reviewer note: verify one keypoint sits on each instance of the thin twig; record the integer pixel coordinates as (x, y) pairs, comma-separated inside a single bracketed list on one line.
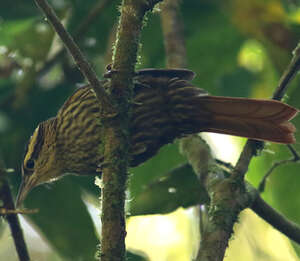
[(13, 221), (5, 211), (93, 14), (293, 152), (81, 30), (288, 74), (78, 57), (275, 219), (244, 160), (227, 165), (249, 149), (295, 158)]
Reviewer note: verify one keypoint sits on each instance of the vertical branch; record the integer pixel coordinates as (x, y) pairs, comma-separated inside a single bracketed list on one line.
[(109, 44), (224, 207), (116, 130), (172, 26), (12, 219)]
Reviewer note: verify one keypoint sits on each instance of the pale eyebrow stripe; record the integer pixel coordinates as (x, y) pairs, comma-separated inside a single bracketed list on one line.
[(35, 144)]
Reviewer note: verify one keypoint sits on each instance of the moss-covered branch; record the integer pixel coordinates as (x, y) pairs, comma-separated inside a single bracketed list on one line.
[(83, 27), (116, 130), (227, 199)]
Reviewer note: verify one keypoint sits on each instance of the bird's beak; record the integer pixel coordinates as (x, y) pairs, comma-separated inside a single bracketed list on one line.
[(26, 185)]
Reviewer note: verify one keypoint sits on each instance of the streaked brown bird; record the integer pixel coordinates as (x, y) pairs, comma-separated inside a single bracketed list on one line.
[(166, 106)]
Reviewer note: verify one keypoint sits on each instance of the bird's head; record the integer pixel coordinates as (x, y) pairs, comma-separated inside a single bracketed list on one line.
[(40, 164)]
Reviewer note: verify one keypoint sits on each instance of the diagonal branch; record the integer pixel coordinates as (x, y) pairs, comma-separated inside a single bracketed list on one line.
[(289, 73), (295, 158), (275, 219), (78, 57), (82, 28)]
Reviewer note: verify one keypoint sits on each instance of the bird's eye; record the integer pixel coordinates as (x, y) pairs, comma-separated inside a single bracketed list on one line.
[(29, 164)]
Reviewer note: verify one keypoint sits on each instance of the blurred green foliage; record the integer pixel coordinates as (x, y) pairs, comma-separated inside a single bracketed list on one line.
[(216, 33)]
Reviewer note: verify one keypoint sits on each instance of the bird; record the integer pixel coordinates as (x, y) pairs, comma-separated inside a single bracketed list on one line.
[(165, 106)]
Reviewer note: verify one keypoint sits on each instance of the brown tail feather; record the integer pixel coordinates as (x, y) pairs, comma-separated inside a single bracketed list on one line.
[(167, 106), (251, 118)]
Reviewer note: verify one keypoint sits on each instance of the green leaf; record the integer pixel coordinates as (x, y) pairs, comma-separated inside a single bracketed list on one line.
[(167, 158), (10, 29), (64, 220), (135, 257), (28, 38)]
